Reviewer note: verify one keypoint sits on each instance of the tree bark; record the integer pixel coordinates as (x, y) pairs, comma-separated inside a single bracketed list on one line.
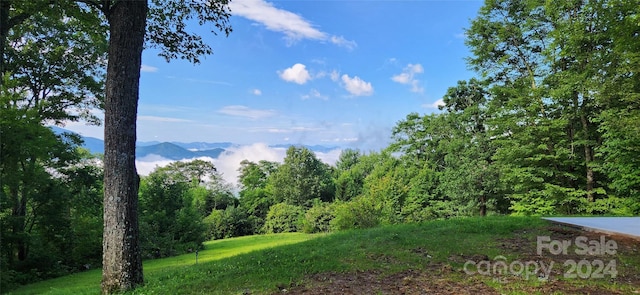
[(122, 262), (588, 158)]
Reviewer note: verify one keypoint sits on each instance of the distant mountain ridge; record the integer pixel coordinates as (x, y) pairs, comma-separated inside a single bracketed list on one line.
[(179, 150), (174, 152), (167, 150)]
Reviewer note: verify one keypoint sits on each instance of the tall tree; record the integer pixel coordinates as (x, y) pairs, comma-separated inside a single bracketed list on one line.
[(52, 72), (302, 178), (511, 42), (469, 177), (122, 267), (618, 84), (127, 22), (254, 175), (563, 80), (122, 261), (577, 41), (169, 220)]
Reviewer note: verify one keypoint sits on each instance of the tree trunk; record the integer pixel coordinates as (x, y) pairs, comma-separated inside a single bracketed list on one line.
[(483, 205), (122, 263), (588, 158)]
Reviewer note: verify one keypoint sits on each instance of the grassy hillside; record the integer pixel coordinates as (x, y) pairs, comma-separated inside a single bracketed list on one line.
[(393, 259), (89, 282)]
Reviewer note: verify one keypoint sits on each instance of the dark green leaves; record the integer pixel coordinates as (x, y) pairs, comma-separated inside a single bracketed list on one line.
[(168, 21)]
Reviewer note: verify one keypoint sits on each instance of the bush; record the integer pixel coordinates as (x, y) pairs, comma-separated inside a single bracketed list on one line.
[(283, 218), (228, 223), (184, 234), (318, 218), (415, 212), (359, 213)]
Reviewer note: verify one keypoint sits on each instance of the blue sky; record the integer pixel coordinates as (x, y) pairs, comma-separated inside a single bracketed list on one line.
[(335, 73)]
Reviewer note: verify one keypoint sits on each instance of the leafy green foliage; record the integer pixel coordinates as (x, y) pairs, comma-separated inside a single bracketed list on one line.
[(318, 218), (351, 169), (228, 223), (256, 195), (167, 24), (301, 179), (283, 218), (358, 213), (255, 175), (559, 78), (170, 223), (56, 54)]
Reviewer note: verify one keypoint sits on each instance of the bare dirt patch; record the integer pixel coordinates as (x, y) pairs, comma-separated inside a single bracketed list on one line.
[(626, 246), (447, 278), (372, 282)]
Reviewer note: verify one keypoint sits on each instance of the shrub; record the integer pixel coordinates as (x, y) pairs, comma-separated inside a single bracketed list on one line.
[(318, 218), (228, 223), (283, 218), (358, 213), (214, 225)]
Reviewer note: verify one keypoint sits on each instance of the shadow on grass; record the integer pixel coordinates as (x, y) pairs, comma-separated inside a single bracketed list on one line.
[(263, 264)]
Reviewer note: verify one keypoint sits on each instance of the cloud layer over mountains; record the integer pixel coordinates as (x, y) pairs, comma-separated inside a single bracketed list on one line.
[(229, 161)]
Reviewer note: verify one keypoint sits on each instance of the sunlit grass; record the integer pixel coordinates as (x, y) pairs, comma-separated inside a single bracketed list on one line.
[(89, 282), (263, 264)]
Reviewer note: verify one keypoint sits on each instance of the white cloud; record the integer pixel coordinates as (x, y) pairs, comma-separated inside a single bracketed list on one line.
[(335, 76), (297, 73), (341, 41), (292, 25), (288, 130), (415, 87), (278, 130), (357, 86), (162, 119), (403, 78), (229, 161), (256, 92), (301, 129), (148, 163), (434, 105), (148, 68), (315, 94), (244, 111), (408, 77), (330, 157)]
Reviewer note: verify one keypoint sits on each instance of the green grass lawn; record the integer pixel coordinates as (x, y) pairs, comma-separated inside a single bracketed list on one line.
[(262, 264), (89, 282)]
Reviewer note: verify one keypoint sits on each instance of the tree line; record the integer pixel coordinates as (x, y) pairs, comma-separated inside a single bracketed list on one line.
[(549, 126)]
